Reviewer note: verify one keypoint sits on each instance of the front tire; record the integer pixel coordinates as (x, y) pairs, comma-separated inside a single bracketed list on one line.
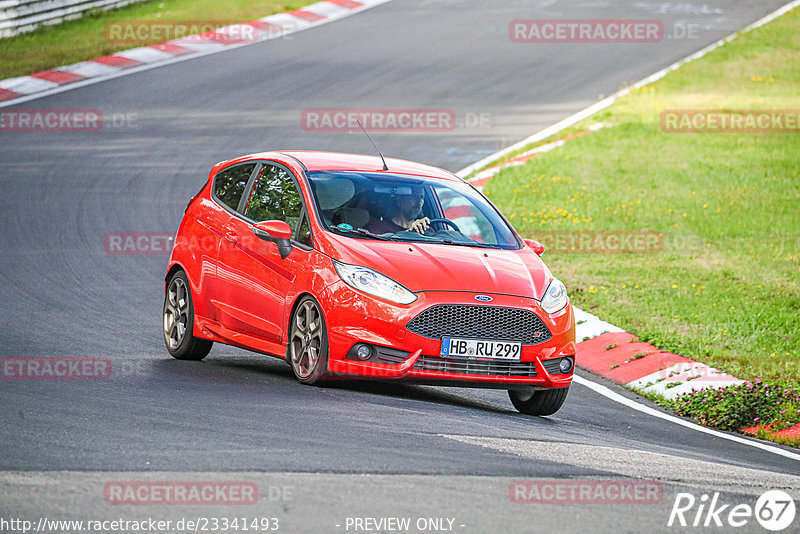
[(178, 321), (538, 402), (308, 342)]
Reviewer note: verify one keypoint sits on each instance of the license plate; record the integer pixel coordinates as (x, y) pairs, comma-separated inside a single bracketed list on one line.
[(455, 347)]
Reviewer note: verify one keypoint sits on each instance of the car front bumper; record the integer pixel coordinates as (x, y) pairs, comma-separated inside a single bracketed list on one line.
[(353, 317)]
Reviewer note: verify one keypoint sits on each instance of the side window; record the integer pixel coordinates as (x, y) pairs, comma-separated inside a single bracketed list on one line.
[(304, 233), (230, 183), (275, 197)]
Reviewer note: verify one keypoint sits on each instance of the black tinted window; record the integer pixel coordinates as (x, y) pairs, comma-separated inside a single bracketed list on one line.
[(229, 184), (275, 197), (380, 202), (304, 234)]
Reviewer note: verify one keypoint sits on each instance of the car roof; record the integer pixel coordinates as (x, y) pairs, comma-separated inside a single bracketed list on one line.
[(337, 161)]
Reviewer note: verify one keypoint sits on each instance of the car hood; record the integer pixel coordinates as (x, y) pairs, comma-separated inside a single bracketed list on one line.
[(436, 267)]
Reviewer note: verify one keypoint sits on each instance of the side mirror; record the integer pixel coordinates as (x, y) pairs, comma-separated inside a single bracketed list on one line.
[(537, 247), (277, 232)]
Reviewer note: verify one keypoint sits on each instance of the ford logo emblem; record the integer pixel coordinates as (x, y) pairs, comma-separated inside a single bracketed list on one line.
[(483, 298)]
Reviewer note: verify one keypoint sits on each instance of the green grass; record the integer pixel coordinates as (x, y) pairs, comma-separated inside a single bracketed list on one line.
[(724, 289), (85, 38)]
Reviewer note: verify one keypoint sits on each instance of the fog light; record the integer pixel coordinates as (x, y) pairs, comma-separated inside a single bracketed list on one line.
[(565, 365), (363, 352)]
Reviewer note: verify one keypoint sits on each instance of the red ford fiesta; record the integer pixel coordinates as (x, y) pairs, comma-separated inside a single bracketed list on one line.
[(349, 267)]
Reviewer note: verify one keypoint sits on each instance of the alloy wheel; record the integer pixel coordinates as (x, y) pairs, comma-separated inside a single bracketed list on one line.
[(176, 313), (306, 341)]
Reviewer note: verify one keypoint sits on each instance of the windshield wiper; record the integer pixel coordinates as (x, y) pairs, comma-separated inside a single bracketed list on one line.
[(362, 231), (464, 243)]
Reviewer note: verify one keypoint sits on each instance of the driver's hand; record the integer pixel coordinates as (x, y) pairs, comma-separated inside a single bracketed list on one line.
[(420, 225)]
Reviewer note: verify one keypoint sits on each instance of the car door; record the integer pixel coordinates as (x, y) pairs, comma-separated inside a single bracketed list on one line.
[(228, 189), (253, 278)]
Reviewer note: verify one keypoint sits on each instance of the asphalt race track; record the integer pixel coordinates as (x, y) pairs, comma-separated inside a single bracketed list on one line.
[(359, 450)]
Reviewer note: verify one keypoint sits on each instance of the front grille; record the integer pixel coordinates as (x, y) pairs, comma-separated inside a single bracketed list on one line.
[(483, 322), (475, 367), (390, 356)]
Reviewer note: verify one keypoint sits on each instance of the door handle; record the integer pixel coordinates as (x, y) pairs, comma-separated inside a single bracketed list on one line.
[(231, 236)]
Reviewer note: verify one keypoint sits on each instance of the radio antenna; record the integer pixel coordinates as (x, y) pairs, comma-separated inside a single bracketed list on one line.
[(385, 168)]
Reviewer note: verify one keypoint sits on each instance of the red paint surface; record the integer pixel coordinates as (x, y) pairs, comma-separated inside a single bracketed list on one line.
[(620, 363), (5, 94), (306, 15), (118, 62), (58, 76), (793, 432), (349, 4), (266, 26), (173, 49)]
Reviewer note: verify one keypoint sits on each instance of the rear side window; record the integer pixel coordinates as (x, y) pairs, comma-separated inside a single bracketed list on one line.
[(230, 183)]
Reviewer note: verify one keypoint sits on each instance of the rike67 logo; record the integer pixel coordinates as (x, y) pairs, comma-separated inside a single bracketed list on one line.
[(774, 510)]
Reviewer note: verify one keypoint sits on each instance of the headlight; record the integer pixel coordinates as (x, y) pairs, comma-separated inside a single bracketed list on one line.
[(555, 298), (374, 283)]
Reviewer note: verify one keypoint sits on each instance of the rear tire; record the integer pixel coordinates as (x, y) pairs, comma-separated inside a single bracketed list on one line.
[(538, 402), (308, 343), (178, 321)]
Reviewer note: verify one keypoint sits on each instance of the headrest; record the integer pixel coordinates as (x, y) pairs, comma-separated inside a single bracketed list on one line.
[(333, 192), (355, 217)]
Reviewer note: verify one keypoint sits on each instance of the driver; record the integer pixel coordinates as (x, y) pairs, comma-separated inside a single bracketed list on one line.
[(407, 211)]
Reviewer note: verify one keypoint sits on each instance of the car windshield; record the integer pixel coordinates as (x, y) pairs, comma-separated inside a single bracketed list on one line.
[(385, 206)]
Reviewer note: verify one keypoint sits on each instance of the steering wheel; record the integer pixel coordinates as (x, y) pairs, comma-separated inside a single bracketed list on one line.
[(447, 222)]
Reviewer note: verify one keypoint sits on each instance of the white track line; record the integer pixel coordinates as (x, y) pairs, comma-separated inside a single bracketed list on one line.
[(587, 112), (602, 104), (616, 397)]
